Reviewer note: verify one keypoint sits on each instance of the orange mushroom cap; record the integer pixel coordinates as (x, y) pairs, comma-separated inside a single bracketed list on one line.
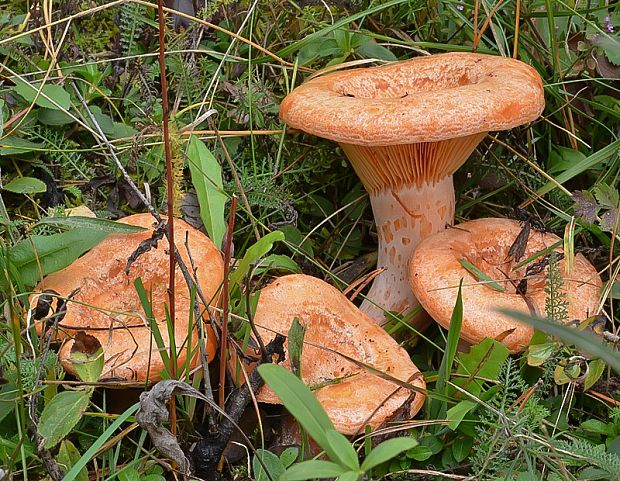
[(424, 99), (351, 395), (435, 272), (107, 305)]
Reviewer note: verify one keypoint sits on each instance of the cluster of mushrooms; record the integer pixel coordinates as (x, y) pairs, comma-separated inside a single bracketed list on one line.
[(406, 127)]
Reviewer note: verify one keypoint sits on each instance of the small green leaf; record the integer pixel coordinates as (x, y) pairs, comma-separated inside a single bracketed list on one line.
[(254, 253), (273, 464), (598, 427), (457, 412), (341, 445), (61, 415), (289, 456), (481, 276), (26, 185), (386, 451), (537, 354), (420, 453), (595, 371), (300, 402), (87, 357), (28, 90), (312, 469), (68, 455), (91, 223), (462, 447), (207, 180)]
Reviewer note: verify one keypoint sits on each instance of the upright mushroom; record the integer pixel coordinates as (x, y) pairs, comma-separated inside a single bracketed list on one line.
[(406, 128), (437, 267), (352, 395), (106, 304)]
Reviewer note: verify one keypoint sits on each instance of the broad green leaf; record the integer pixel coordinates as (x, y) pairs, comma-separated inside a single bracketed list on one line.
[(54, 117), (207, 180), (279, 262), (598, 427), (254, 253), (300, 402), (373, 50), (312, 469), (26, 185), (462, 447), (68, 455), (8, 395), (341, 445), (289, 456), (91, 223), (582, 339), (129, 474), (420, 453), (61, 415), (480, 276), (611, 47), (100, 441), (16, 145), (28, 90), (273, 464), (50, 253), (387, 450), (457, 412), (349, 476), (485, 360), (596, 370), (537, 354)]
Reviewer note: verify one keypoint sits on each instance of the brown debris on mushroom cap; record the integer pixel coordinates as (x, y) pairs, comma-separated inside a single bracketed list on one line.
[(107, 305), (351, 396), (424, 99), (435, 272)]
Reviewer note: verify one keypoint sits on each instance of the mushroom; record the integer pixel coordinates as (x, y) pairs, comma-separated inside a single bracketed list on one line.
[(106, 305), (407, 127), (436, 269), (352, 395)]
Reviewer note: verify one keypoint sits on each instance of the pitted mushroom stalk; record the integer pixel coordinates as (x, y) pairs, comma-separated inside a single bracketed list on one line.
[(106, 304), (436, 269), (352, 395), (406, 128)]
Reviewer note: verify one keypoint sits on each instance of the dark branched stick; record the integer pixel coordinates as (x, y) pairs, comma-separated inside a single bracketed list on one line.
[(208, 451)]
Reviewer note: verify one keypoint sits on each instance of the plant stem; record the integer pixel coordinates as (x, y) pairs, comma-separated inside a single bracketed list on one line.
[(170, 196)]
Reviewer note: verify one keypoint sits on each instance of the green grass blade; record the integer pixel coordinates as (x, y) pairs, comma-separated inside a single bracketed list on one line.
[(582, 339)]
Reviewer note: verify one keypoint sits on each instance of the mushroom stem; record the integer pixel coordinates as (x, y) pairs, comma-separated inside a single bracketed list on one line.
[(412, 196), (404, 217)]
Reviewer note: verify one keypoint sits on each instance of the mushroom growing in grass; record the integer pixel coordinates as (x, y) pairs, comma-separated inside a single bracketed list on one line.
[(106, 304), (349, 361), (406, 128), (478, 252)]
